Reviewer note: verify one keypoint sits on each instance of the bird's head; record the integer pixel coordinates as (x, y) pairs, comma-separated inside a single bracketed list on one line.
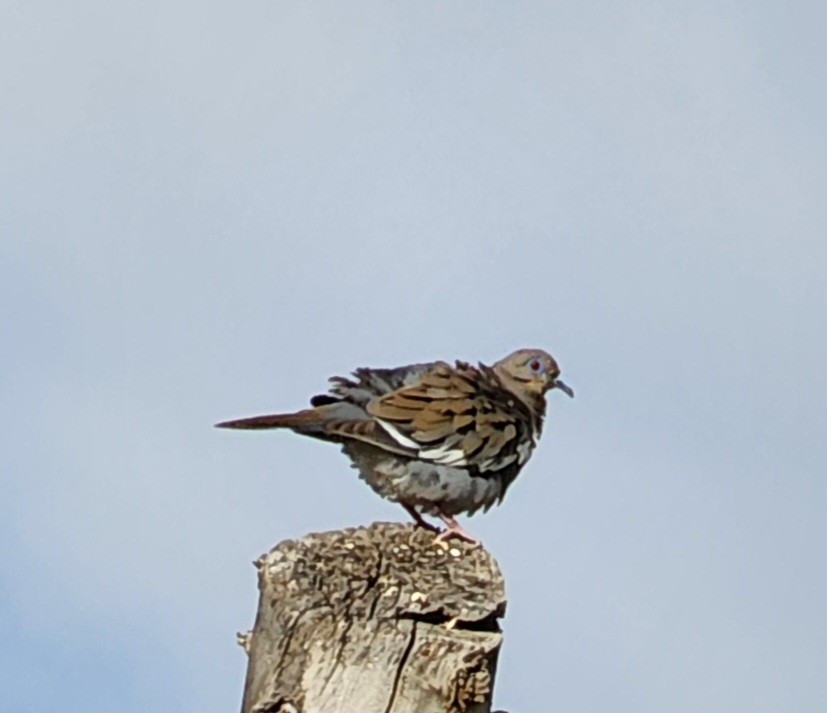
[(532, 371)]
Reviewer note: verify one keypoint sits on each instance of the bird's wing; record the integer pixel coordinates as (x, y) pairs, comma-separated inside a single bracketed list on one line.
[(458, 416), (366, 384)]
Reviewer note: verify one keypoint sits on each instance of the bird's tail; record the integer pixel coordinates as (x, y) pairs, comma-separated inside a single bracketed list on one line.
[(309, 422)]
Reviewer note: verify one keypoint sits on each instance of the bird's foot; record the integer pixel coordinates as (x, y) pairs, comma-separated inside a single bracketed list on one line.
[(454, 529), (418, 519)]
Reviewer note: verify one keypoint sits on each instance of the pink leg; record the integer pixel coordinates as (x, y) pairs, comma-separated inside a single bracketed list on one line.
[(418, 518), (454, 529)]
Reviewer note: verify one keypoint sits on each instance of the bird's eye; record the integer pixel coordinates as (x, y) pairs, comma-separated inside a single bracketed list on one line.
[(536, 366)]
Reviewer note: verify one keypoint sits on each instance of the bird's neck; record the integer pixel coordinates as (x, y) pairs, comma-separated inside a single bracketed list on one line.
[(537, 405), (535, 402)]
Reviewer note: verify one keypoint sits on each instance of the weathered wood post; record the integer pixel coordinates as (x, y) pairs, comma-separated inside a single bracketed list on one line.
[(377, 618)]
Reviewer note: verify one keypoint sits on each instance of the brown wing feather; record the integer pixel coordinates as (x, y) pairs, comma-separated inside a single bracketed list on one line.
[(458, 416)]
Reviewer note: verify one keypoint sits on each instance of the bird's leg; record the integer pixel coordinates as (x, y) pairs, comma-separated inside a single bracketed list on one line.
[(418, 518), (454, 529)]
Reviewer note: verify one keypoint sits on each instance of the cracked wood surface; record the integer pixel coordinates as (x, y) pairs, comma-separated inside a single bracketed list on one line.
[(377, 618)]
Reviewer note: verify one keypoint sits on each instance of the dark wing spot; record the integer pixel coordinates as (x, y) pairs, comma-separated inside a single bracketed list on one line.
[(323, 400)]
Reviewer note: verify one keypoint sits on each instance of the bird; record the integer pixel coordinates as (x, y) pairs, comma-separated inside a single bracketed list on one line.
[(440, 440)]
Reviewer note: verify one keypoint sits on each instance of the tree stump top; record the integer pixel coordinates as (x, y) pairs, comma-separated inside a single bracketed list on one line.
[(374, 618)]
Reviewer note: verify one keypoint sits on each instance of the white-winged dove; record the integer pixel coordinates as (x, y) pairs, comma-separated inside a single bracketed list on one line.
[(438, 439)]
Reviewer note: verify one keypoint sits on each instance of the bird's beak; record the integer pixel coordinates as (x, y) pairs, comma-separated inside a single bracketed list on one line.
[(564, 388)]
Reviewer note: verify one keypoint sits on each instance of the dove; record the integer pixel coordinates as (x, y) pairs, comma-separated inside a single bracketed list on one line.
[(440, 440)]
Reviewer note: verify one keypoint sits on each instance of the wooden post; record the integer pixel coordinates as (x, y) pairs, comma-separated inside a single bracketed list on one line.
[(377, 618)]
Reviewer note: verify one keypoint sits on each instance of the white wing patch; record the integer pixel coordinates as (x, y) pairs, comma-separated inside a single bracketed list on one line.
[(441, 454), (397, 435), (444, 455), (524, 451)]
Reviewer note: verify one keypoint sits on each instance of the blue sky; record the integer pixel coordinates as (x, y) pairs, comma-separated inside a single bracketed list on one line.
[(207, 209)]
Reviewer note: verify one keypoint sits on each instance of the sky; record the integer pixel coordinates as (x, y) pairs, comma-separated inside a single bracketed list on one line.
[(206, 209)]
